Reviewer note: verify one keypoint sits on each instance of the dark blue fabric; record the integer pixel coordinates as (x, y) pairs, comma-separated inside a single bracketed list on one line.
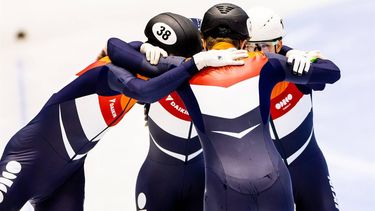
[(123, 55), (153, 89), (39, 146), (216, 150)]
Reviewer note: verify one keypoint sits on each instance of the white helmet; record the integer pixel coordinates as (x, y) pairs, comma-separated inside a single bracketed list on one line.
[(264, 25)]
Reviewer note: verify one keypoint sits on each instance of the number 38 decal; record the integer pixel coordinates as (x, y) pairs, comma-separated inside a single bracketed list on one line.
[(164, 33)]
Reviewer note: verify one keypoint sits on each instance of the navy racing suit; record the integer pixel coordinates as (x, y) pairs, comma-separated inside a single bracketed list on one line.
[(43, 162), (292, 130), (230, 109)]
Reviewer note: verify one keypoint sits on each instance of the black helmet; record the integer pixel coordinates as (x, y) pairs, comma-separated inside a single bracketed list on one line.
[(225, 20), (174, 33)]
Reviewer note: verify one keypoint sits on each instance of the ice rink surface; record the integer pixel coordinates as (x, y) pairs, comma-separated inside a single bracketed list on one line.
[(62, 37)]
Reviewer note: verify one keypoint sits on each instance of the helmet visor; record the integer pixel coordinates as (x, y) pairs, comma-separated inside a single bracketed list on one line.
[(261, 46)]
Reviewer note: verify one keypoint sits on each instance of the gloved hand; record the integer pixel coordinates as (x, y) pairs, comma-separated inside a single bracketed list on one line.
[(301, 59), (301, 64), (152, 53), (315, 54), (218, 58)]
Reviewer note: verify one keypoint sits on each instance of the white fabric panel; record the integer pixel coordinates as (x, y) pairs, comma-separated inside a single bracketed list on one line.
[(221, 98), (288, 122), (90, 115), (170, 123)]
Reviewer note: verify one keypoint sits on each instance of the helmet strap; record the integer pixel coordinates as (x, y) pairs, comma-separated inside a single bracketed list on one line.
[(279, 42)]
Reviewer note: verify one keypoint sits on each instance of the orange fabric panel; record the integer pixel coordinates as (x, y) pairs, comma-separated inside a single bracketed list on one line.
[(279, 88), (103, 61)]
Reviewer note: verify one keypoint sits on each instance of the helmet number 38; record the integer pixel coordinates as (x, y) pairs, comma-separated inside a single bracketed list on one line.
[(164, 33)]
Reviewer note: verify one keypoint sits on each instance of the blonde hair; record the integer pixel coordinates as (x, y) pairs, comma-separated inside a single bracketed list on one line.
[(210, 42)]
